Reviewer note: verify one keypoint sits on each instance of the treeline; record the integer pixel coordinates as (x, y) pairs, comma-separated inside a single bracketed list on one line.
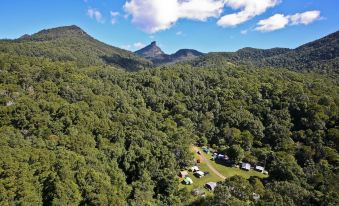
[(320, 56), (72, 44), (96, 135)]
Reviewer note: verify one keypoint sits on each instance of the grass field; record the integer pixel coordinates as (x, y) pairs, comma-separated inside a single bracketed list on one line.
[(212, 177), (232, 171), (200, 182)]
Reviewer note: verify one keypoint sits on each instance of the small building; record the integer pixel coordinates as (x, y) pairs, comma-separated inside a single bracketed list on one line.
[(183, 174), (210, 185), (194, 168), (198, 192), (259, 168), (199, 174), (245, 166), (188, 181)]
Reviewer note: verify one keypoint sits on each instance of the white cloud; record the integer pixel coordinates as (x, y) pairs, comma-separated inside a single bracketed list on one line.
[(114, 13), (114, 16), (305, 18), (135, 46), (179, 33), (95, 14), (138, 45), (127, 47), (245, 31), (275, 22), (280, 21), (156, 15), (248, 10)]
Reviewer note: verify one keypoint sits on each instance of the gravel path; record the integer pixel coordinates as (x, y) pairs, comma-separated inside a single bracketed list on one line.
[(208, 163)]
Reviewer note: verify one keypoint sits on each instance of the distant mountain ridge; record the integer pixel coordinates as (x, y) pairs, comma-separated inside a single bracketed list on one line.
[(319, 55), (71, 43), (153, 53)]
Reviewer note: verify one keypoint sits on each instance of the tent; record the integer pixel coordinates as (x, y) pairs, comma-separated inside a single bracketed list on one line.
[(194, 168), (199, 174), (211, 185), (183, 174), (188, 181)]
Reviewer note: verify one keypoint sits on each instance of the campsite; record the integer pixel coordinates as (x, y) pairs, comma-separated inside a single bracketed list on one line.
[(200, 185)]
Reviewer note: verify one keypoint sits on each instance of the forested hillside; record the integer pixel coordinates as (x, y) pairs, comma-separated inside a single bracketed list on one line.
[(71, 43), (321, 55), (96, 135)]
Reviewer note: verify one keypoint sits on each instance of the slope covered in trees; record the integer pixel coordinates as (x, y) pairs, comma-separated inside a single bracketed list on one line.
[(96, 135), (321, 55), (71, 43)]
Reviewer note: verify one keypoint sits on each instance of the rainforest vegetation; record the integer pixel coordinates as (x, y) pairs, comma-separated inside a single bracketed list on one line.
[(95, 134)]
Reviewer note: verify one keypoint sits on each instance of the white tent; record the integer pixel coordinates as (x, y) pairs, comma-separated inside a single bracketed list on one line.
[(188, 181), (211, 185), (195, 168), (199, 174)]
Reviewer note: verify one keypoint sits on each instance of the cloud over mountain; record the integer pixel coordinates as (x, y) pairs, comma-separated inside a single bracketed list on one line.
[(156, 15), (280, 21), (248, 10), (95, 14)]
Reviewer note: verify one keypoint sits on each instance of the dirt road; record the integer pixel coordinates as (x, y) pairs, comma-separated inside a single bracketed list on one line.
[(208, 163)]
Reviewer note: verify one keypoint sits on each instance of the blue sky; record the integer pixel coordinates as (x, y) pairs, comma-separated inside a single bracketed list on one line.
[(205, 25)]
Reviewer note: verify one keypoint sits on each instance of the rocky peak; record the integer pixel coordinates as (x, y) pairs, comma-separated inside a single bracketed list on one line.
[(151, 51)]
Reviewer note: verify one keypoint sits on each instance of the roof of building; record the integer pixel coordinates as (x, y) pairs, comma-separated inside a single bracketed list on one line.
[(211, 185), (245, 165), (183, 173), (259, 168)]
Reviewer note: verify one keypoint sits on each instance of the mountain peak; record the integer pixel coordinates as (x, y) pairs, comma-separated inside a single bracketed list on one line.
[(55, 33), (156, 55), (151, 51)]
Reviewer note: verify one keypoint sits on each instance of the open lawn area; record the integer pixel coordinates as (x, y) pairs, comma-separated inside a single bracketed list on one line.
[(212, 176), (232, 171), (200, 182)]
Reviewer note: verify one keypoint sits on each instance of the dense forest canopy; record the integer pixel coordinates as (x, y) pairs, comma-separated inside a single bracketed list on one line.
[(321, 55), (71, 43), (95, 134)]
